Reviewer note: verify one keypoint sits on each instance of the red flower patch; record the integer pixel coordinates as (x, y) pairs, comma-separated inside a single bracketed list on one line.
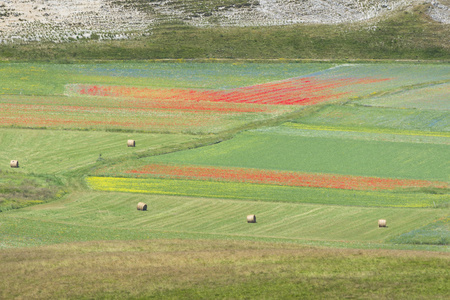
[(283, 178), (299, 91)]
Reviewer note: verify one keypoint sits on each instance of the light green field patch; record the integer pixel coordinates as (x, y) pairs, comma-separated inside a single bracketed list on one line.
[(379, 118), (430, 97), (369, 130), (359, 133)]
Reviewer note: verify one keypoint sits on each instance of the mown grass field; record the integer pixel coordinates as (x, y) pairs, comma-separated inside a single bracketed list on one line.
[(64, 151), (79, 174), (91, 216)]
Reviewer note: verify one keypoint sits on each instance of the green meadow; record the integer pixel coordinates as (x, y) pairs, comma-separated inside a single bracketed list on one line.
[(181, 268), (69, 227), (64, 151), (272, 150)]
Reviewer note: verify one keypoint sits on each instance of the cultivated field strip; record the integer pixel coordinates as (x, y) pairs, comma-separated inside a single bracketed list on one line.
[(271, 193), (264, 176), (88, 216), (262, 150), (195, 98), (56, 79), (434, 96), (297, 91), (435, 121), (358, 133), (124, 115)]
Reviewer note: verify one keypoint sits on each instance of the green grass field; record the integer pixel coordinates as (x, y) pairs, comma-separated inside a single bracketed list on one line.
[(86, 239), (90, 216), (190, 247), (259, 149), (385, 145), (65, 151)]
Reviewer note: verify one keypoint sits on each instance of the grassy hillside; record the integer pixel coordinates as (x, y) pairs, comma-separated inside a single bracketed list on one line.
[(405, 35), (180, 269)]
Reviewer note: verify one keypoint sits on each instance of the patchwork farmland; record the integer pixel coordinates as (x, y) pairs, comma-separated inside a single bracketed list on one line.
[(318, 152)]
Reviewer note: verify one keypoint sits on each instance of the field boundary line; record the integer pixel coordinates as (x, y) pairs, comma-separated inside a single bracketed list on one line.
[(367, 130)]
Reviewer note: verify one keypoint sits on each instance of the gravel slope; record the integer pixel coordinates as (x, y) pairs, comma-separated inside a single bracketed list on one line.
[(65, 20)]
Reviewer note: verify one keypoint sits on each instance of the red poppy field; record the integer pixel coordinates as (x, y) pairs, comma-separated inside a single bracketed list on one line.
[(282, 178), (297, 91), (173, 110), (140, 114)]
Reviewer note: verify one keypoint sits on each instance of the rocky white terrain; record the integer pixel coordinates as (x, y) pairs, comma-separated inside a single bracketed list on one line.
[(65, 20)]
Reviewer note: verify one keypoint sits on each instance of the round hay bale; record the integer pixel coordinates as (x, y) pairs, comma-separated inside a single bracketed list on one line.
[(381, 223), (141, 206), (251, 219), (14, 164), (131, 143)]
